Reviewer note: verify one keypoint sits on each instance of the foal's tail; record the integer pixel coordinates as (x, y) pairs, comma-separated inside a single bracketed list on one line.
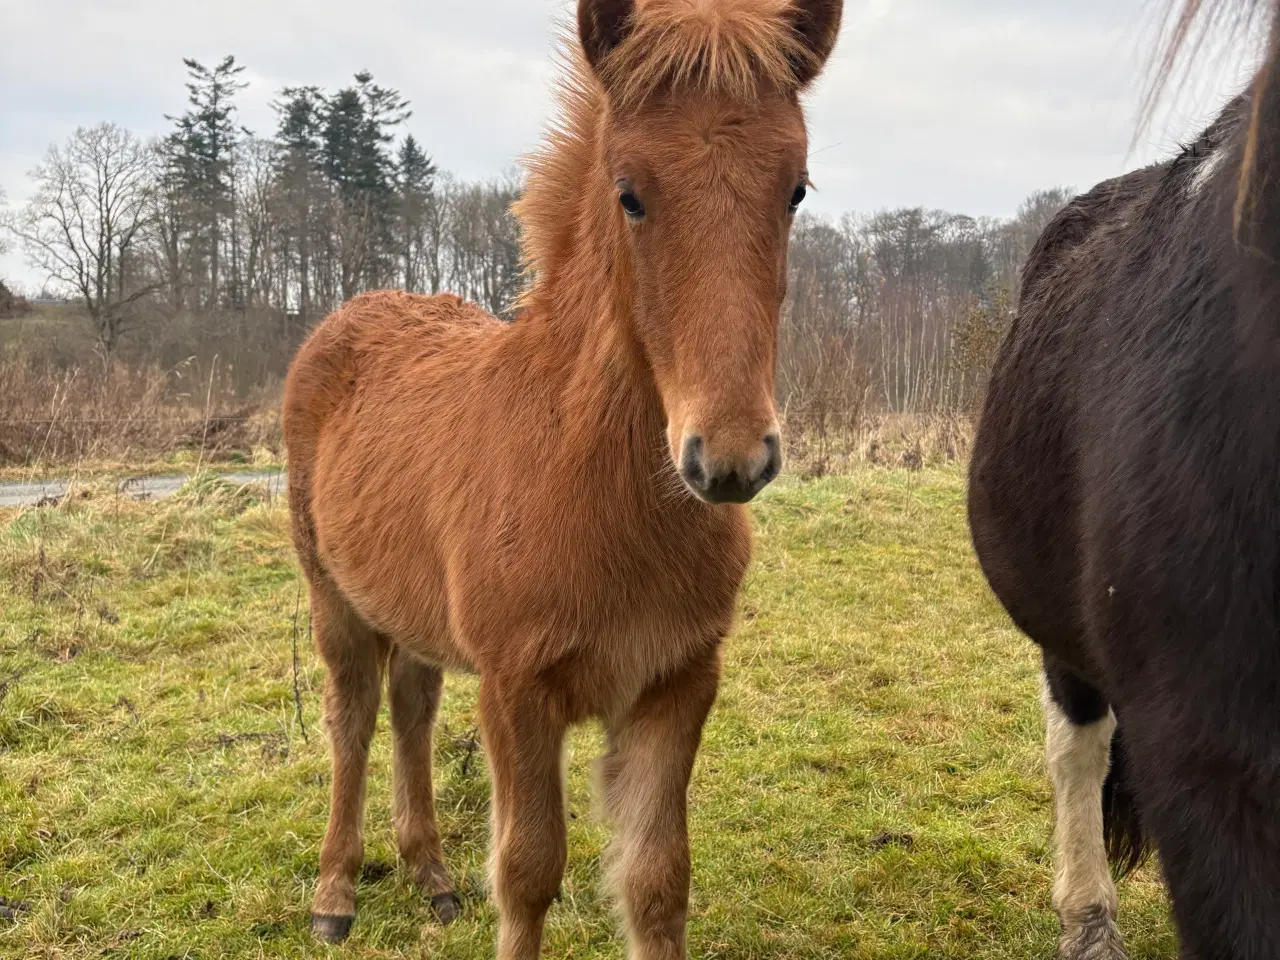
[(1127, 845)]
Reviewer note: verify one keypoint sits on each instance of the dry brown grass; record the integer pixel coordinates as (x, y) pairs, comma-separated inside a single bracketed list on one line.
[(104, 412), (837, 444), (107, 410)]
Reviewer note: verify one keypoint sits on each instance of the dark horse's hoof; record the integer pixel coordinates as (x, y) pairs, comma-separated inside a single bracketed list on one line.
[(329, 928), (446, 907), (1095, 937)]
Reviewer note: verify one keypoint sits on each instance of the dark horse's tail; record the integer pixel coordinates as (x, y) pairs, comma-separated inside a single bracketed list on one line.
[(1127, 845)]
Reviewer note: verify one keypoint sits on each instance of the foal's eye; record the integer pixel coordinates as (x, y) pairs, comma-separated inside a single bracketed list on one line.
[(797, 197), (631, 204)]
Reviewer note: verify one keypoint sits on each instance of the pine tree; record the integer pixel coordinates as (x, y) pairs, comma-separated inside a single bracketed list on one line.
[(200, 153), (359, 125), (301, 188), (299, 128), (415, 181)]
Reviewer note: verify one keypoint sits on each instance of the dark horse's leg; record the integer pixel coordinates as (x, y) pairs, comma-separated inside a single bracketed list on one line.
[(1079, 725), (1026, 543), (1206, 745)]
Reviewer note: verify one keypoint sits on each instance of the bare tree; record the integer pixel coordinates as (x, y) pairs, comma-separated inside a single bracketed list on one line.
[(4, 223), (168, 228), (1013, 239), (481, 242), (246, 242), (255, 223), (436, 219), (83, 225)]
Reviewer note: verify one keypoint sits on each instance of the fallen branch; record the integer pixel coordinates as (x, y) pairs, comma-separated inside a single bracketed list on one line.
[(297, 693)]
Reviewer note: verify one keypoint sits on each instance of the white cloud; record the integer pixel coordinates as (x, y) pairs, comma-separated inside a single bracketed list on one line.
[(961, 104)]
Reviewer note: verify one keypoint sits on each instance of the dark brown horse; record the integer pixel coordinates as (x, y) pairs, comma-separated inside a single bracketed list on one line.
[(1125, 506), (556, 503)]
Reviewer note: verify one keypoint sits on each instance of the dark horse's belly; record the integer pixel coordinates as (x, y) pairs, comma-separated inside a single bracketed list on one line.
[(1026, 495), (1023, 516)]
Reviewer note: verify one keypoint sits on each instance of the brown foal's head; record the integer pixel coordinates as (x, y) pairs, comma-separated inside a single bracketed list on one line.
[(704, 142)]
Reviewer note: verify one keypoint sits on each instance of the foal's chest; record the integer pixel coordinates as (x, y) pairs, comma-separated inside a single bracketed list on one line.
[(625, 604)]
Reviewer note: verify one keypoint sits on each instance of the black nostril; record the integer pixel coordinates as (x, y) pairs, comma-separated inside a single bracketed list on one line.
[(773, 461), (691, 467)]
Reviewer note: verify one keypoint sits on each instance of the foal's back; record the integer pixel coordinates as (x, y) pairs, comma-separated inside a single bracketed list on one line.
[(375, 404)]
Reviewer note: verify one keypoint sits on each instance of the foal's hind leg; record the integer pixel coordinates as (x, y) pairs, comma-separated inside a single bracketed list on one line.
[(354, 655), (1079, 726), (645, 783), (415, 689)]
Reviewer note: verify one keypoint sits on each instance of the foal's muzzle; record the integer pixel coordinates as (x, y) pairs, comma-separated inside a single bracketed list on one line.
[(729, 479)]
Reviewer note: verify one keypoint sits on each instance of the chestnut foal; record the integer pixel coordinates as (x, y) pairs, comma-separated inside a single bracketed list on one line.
[(555, 503)]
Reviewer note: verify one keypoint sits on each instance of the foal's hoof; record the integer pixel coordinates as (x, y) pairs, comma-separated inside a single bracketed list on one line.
[(1095, 937), (329, 928), (446, 907)]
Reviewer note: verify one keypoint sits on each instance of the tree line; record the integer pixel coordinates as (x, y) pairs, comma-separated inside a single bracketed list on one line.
[(212, 238), (902, 310), (215, 227)]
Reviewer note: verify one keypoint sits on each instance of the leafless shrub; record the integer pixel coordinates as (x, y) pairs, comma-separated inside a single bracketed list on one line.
[(879, 439), (114, 410)]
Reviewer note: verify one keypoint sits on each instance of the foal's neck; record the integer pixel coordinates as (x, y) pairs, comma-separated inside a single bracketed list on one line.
[(581, 307)]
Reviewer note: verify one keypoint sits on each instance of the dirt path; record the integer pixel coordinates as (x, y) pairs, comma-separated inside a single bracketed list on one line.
[(139, 488)]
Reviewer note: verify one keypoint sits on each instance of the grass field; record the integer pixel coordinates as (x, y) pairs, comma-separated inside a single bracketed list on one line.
[(870, 784)]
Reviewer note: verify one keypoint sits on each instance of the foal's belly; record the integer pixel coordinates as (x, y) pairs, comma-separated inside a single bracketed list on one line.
[(582, 633), (404, 599), (597, 653), (376, 543)]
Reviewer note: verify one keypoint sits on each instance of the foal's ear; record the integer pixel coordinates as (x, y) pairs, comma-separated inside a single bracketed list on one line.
[(817, 24), (602, 25)]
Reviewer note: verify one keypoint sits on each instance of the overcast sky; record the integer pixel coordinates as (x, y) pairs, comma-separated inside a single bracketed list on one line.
[(966, 105)]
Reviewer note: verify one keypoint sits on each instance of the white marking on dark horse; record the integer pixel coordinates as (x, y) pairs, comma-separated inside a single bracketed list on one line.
[(1084, 894)]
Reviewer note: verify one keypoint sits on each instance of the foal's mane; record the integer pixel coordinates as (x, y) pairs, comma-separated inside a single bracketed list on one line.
[(743, 49)]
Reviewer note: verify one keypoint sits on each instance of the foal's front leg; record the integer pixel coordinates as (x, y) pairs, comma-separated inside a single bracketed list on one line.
[(523, 735), (1078, 729), (645, 782)]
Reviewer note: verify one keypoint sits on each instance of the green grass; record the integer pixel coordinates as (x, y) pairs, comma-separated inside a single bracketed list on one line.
[(870, 784)]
